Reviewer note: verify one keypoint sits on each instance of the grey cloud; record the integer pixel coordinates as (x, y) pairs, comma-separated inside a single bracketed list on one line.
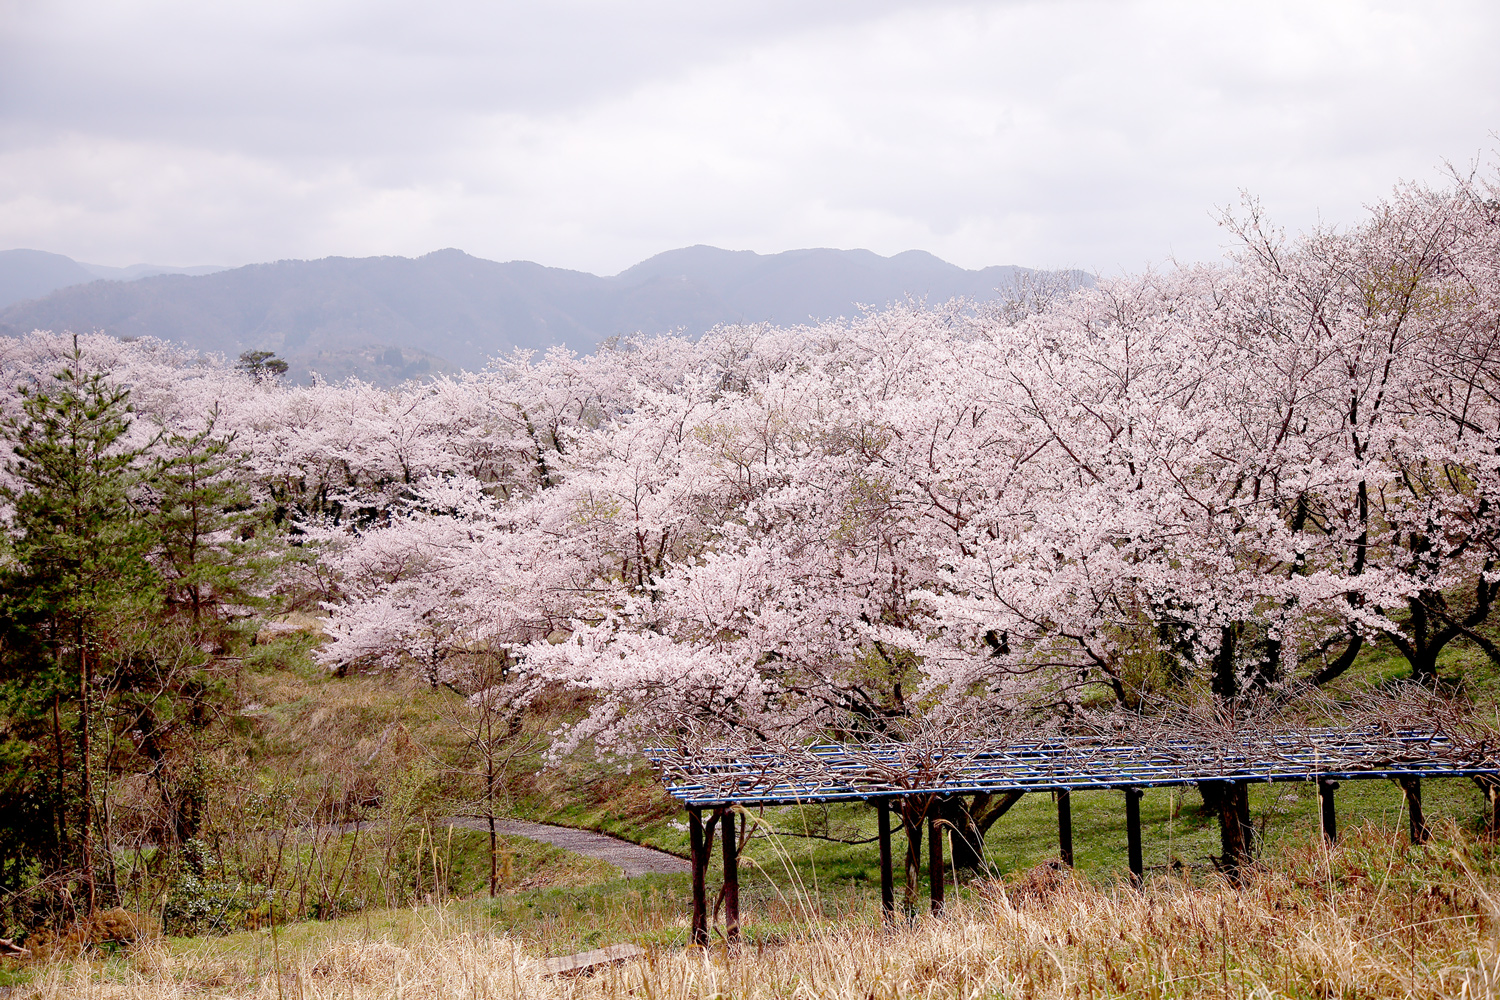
[(1095, 134), (295, 77)]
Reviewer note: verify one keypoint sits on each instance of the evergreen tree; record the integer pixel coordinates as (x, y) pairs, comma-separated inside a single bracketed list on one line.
[(212, 547), (76, 580), (262, 365)]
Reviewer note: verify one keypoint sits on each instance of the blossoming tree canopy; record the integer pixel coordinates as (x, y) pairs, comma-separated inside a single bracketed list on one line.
[(1234, 476)]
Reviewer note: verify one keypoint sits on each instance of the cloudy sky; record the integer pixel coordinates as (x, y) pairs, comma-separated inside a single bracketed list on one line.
[(1101, 135)]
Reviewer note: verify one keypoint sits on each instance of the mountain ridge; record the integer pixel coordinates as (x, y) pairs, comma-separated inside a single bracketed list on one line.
[(447, 309)]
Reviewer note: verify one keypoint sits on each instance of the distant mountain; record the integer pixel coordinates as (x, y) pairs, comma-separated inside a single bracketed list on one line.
[(389, 318), (801, 285), (137, 271), (30, 274)]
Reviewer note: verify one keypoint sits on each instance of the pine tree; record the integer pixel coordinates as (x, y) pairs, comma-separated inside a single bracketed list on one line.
[(77, 577), (213, 548)]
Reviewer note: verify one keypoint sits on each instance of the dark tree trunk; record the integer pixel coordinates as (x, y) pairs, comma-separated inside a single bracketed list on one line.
[(1416, 821), (86, 772), (1225, 683), (912, 814), (1268, 671), (968, 841), (971, 820), (1230, 800)]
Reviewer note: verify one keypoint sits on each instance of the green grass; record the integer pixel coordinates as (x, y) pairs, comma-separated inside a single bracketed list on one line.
[(315, 730), (648, 910), (790, 884), (14, 978)]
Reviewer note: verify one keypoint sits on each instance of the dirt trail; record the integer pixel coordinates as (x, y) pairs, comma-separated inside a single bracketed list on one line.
[(632, 859)]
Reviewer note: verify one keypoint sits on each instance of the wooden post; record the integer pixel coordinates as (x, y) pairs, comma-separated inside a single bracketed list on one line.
[(1133, 834), (887, 880), (699, 936), (1491, 790), (935, 877), (1326, 788), (1412, 787), (1065, 826), (731, 878)]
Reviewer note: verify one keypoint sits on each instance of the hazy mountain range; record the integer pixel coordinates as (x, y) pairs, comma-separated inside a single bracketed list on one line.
[(388, 318)]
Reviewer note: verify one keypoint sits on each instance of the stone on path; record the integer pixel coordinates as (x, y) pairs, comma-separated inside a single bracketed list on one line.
[(589, 959)]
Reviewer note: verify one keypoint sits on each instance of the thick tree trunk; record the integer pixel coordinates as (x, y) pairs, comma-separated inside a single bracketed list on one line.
[(912, 815), (971, 820), (1225, 683), (968, 841), (1230, 800), (1424, 667)]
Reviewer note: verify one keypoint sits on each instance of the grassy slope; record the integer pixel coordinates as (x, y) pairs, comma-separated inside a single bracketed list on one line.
[(304, 725), (309, 723)]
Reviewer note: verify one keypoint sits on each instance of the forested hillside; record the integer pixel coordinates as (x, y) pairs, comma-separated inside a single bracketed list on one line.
[(1202, 485), (386, 319)]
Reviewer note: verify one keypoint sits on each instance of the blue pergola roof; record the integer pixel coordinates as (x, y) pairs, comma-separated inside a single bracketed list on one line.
[(834, 772)]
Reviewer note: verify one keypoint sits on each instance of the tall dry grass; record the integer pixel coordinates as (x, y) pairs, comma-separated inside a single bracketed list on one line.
[(1373, 918)]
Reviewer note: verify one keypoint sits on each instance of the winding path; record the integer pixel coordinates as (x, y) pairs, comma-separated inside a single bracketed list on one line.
[(632, 859)]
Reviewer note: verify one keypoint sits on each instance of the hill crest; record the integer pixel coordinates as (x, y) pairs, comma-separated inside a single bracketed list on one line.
[(391, 318)]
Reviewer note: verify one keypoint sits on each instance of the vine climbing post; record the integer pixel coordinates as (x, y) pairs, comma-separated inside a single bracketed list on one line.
[(700, 871), (731, 877), (1326, 787), (887, 881), (1065, 826), (935, 858), (1133, 834)]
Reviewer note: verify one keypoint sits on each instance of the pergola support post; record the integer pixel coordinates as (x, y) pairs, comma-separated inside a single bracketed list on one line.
[(1491, 790), (887, 879), (1065, 826), (1133, 835), (1417, 823), (1326, 788), (699, 850), (731, 878), (935, 875)]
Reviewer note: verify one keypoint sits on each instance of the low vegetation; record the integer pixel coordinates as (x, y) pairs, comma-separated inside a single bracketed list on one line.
[(1372, 917), (400, 907)]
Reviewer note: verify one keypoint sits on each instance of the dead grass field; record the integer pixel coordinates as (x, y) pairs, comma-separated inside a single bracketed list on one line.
[(1372, 918)]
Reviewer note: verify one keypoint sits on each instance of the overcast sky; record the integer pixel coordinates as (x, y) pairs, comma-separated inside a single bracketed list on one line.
[(1101, 135)]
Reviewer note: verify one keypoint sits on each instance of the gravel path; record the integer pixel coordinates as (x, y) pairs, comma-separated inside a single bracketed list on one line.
[(632, 859)]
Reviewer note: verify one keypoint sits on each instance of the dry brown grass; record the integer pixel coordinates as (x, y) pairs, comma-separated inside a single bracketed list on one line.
[(1373, 918)]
